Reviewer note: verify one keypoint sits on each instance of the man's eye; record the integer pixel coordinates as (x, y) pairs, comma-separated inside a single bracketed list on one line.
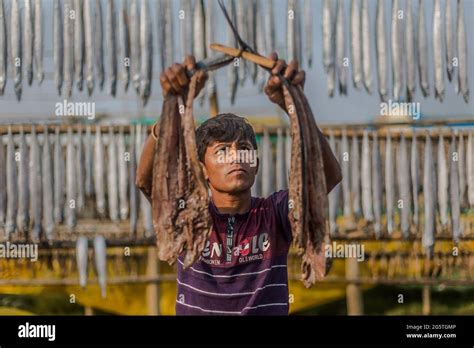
[(220, 150)]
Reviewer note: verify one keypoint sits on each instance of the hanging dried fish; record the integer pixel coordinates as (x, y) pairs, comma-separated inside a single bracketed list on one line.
[(71, 183), (80, 171), (100, 258), (376, 185), (241, 20), (403, 178), (78, 43), (133, 187), (261, 45), (186, 230), (341, 55), (124, 40), (356, 46), (442, 183), (28, 38), (233, 69), (463, 85), (186, 27), (111, 48), (112, 177), (454, 192), (334, 195), (146, 41), (99, 173), (251, 33), (449, 38), (346, 183), (88, 46), (423, 51), (3, 183), (366, 179), (470, 168), (123, 158), (210, 38), (16, 43), (200, 37), (293, 29), (38, 41), (389, 183), (366, 59), (462, 171), (3, 49), (328, 45), (99, 44), (308, 29), (23, 189), (68, 44), (308, 218), (88, 155), (45, 172), (415, 178), (355, 176), (382, 51), (36, 187), (135, 44), (58, 54), (269, 27), (59, 180), (397, 50), (82, 250), (12, 187), (438, 52), (428, 197), (410, 51)]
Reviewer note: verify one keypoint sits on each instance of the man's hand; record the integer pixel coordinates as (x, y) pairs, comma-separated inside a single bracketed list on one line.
[(175, 81), (274, 88)]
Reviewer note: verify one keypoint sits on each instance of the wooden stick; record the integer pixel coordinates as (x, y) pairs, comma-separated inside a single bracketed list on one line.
[(235, 52)]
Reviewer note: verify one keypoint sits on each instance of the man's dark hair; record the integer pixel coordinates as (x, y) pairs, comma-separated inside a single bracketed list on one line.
[(223, 128)]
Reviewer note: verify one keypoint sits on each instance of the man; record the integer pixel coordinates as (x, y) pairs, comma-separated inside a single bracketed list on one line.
[(243, 268)]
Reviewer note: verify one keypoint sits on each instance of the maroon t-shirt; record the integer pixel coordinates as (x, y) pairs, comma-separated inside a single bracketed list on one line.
[(248, 278)]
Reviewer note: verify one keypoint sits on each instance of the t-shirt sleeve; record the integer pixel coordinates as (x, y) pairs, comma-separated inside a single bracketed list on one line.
[(280, 202)]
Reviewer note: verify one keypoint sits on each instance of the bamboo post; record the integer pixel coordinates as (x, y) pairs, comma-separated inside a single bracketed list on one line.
[(353, 292), (88, 310), (152, 289), (426, 298)]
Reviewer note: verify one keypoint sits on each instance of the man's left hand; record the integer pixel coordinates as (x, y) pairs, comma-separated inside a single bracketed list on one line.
[(274, 87)]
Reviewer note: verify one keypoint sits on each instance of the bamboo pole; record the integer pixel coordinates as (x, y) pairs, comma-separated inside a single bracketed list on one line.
[(353, 292), (152, 289), (426, 298), (88, 311)]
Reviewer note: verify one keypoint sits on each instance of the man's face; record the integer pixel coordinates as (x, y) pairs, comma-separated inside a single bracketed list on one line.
[(230, 167)]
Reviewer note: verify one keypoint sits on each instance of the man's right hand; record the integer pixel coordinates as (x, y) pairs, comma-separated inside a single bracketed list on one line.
[(175, 81)]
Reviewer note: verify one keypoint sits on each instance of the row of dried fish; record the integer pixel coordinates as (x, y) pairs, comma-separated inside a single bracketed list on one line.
[(408, 177), (383, 181), (52, 179), (408, 43)]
